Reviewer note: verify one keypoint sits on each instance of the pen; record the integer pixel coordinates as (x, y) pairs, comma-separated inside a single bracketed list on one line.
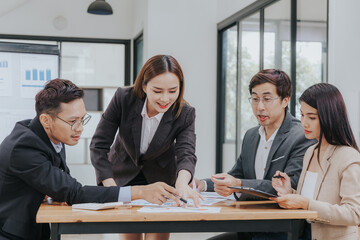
[(181, 199), (278, 176)]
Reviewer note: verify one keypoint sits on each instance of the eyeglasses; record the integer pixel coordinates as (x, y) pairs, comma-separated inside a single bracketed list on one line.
[(76, 123), (265, 100)]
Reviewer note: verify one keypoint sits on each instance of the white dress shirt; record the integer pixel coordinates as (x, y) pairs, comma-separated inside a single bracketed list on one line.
[(263, 152), (149, 127)]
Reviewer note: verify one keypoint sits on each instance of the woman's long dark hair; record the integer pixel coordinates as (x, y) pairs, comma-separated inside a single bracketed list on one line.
[(334, 122)]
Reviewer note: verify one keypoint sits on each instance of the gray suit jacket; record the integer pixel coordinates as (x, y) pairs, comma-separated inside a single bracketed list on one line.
[(171, 149), (286, 154)]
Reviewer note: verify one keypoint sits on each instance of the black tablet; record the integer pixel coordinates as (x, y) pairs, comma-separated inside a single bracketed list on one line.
[(254, 192)]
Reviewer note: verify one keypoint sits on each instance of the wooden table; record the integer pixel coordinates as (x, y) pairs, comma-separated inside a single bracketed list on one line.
[(259, 216)]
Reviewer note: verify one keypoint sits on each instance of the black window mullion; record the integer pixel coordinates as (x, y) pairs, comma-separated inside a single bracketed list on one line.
[(220, 103), (262, 20), (293, 28)]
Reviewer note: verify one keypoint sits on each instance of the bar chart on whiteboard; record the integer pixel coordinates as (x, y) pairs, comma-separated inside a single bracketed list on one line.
[(22, 76), (36, 69)]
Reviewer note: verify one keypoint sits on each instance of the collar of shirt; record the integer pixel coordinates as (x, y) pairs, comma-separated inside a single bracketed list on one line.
[(145, 115), (58, 147), (263, 137)]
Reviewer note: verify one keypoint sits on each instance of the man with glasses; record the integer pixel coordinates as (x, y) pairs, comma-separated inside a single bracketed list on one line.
[(278, 143), (32, 164)]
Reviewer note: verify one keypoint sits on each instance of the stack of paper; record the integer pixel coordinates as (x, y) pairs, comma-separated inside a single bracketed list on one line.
[(97, 206)]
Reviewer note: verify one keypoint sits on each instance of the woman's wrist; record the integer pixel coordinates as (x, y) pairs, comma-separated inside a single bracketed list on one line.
[(183, 178), (306, 203), (109, 182)]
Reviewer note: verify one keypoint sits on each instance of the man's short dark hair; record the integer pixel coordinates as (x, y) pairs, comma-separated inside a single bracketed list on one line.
[(276, 77), (55, 92)]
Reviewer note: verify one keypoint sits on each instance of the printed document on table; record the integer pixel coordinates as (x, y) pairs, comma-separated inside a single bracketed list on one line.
[(210, 199), (162, 209)]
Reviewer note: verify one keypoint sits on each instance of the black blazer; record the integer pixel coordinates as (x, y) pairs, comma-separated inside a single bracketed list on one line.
[(171, 149), (286, 154), (30, 168)]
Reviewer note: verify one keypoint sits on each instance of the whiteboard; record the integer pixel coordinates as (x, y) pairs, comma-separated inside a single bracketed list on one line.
[(22, 75)]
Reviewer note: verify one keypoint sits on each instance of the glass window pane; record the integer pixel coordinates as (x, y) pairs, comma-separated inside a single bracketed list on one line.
[(230, 61), (93, 64), (249, 66), (138, 55), (276, 32), (311, 45), (229, 73)]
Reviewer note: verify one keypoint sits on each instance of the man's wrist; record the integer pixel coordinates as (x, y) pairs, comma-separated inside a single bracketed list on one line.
[(136, 192), (238, 182)]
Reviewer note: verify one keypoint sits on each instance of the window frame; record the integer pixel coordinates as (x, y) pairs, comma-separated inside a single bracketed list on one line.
[(137, 40), (59, 40), (256, 7)]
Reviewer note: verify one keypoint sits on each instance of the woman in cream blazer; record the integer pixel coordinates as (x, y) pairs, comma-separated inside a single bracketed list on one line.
[(330, 179)]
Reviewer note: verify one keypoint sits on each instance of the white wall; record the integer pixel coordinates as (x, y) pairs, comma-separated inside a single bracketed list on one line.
[(187, 30), (344, 50), (226, 8)]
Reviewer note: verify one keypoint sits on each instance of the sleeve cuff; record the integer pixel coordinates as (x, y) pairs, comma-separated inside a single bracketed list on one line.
[(125, 194), (205, 185)]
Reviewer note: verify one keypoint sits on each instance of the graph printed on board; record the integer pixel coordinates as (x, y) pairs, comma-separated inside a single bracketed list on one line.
[(38, 74), (36, 70)]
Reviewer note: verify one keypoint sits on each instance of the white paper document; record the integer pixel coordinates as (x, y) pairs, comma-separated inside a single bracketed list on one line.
[(210, 199), (163, 209), (97, 206)]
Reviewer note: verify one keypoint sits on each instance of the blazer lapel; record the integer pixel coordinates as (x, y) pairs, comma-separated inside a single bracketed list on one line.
[(136, 127), (306, 163), (63, 159), (36, 127), (162, 132), (324, 164), (254, 143)]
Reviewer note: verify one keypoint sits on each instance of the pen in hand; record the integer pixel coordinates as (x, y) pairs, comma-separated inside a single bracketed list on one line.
[(181, 199), (279, 176)]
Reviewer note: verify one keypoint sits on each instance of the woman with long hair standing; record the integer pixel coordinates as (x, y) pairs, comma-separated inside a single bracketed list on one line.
[(156, 135), (330, 180)]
